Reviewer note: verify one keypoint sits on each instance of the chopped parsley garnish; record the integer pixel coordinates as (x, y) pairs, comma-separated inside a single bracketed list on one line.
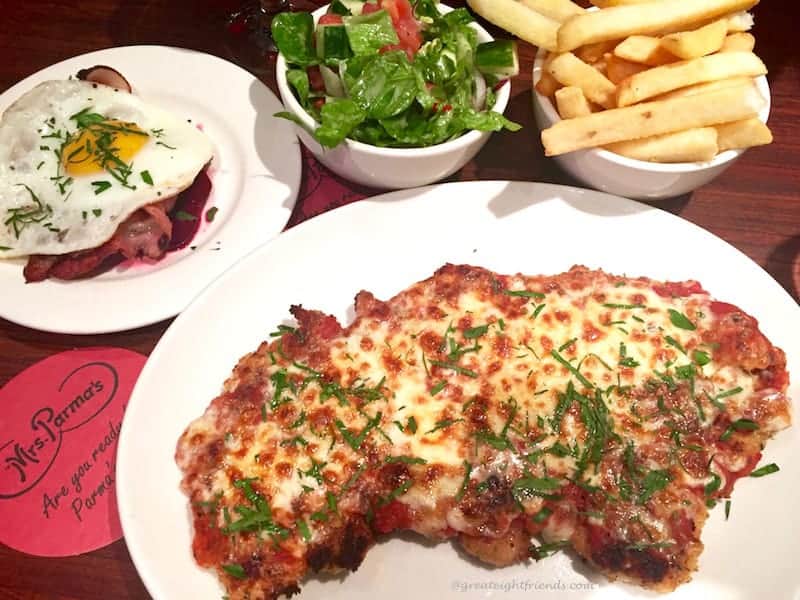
[(680, 320), (700, 358), (571, 368), (675, 343), (541, 516), (355, 441), (303, 529), (19, 218), (411, 425), (454, 367), (182, 215), (295, 441), (438, 387), (146, 177), (298, 421), (639, 546), (716, 399), (476, 332), (333, 504), (235, 571), (529, 486), (443, 424), (712, 486), (211, 214), (544, 550), (738, 425), (97, 212), (567, 344), (653, 482), (525, 294), (281, 330), (765, 470), (100, 144), (637, 483), (406, 460), (623, 306), (727, 509), (315, 471), (256, 517), (465, 482), (624, 359), (396, 492), (537, 310)]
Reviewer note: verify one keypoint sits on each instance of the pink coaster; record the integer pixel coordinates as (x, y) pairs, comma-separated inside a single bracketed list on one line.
[(59, 425)]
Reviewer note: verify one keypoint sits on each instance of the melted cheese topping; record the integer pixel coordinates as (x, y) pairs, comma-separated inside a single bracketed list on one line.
[(608, 385)]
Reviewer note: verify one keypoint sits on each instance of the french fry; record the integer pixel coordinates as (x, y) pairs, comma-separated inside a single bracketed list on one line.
[(547, 84), (656, 17), (618, 69), (601, 66), (560, 10), (740, 22), (739, 42), (743, 134), (702, 88), (571, 103), (652, 118), (700, 42), (591, 53), (568, 69), (512, 16), (607, 3), (691, 145), (659, 80), (644, 49)]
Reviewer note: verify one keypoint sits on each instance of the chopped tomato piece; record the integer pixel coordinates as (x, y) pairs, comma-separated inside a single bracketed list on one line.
[(405, 25), (330, 19), (315, 79)]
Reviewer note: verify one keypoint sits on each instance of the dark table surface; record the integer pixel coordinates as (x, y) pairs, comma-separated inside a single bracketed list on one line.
[(754, 205)]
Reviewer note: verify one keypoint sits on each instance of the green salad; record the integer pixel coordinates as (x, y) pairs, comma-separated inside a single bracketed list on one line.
[(393, 73)]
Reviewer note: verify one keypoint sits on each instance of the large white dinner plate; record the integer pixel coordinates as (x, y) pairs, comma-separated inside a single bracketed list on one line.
[(384, 244), (255, 175)]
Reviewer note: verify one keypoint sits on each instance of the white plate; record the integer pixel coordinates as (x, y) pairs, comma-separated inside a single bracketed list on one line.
[(384, 245), (255, 175)]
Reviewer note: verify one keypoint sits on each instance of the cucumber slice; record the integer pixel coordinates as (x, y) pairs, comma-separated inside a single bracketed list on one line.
[(333, 85), (332, 42), (338, 7), (498, 58), (354, 6)]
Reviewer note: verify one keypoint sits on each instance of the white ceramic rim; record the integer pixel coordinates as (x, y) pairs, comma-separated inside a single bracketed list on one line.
[(683, 167), (503, 96)]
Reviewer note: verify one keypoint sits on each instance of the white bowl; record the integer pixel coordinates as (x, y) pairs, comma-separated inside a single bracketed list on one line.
[(616, 174), (390, 168)]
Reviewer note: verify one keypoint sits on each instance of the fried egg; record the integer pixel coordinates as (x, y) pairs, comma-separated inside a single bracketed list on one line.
[(77, 158)]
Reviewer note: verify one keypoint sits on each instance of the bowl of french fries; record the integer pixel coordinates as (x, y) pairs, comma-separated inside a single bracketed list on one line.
[(642, 98)]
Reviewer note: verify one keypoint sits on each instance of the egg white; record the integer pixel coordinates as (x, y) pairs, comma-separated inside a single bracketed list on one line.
[(78, 218)]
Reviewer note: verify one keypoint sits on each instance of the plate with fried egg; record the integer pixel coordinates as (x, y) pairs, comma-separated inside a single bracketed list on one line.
[(130, 178)]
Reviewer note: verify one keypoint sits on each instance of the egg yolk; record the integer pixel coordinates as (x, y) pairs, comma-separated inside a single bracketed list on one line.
[(102, 146)]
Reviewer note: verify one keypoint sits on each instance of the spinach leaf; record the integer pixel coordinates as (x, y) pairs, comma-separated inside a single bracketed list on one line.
[(293, 33), (298, 79), (369, 33), (339, 118), (387, 85)]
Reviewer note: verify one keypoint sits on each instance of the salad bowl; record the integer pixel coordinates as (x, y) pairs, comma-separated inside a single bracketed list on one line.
[(389, 167)]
